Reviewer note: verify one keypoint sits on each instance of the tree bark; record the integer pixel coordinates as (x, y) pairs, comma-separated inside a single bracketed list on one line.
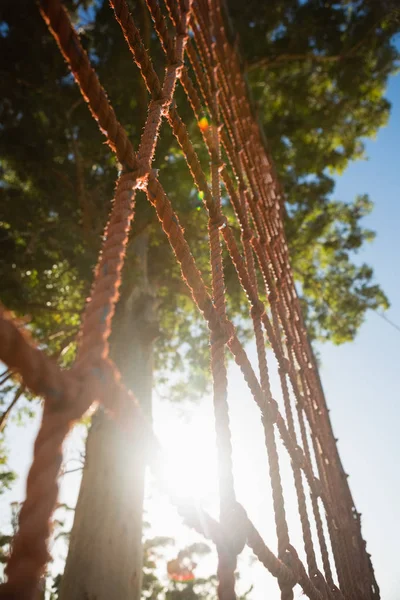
[(105, 553)]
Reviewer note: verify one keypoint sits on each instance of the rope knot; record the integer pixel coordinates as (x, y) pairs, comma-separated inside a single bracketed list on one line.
[(336, 593), (318, 487), (128, 179), (273, 410), (288, 577), (163, 103), (319, 581), (142, 174), (227, 331), (300, 459), (257, 309), (81, 392), (262, 239), (176, 67), (219, 220), (247, 234), (221, 166), (289, 340), (234, 528), (96, 382), (292, 560)]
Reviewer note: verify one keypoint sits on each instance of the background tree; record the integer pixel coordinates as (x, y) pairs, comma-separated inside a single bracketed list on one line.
[(317, 72), (163, 578)]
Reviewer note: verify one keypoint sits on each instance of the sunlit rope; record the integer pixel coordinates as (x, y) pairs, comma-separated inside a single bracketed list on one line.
[(199, 56)]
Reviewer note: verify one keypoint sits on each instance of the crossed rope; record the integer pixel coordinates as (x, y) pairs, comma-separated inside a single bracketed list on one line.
[(241, 168)]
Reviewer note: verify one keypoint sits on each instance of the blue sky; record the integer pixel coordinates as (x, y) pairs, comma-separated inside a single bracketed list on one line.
[(361, 379), (361, 383)]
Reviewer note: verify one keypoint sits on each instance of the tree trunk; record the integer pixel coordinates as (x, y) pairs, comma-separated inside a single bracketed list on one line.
[(105, 554)]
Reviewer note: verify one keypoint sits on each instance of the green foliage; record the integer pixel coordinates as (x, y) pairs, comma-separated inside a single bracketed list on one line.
[(160, 575), (317, 72), (190, 587), (6, 539), (7, 477), (326, 235)]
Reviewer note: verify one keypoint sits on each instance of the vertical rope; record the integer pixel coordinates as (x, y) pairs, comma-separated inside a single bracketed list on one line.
[(226, 558), (256, 197)]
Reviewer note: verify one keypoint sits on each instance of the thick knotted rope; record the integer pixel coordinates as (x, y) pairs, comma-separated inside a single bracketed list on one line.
[(198, 55)]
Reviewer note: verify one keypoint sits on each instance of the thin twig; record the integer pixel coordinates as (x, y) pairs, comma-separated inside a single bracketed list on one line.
[(6, 413)]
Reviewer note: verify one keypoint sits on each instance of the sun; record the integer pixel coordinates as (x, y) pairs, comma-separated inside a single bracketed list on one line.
[(188, 439), (189, 460)]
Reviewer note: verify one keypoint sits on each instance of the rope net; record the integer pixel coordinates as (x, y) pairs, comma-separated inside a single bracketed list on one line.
[(199, 56)]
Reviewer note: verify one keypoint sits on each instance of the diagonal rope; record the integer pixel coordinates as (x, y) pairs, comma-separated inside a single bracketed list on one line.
[(242, 173)]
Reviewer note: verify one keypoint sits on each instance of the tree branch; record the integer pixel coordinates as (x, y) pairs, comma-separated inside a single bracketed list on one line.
[(275, 61), (84, 198), (7, 374), (72, 471), (5, 415)]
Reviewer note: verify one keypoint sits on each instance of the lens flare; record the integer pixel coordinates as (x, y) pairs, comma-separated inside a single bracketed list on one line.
[(203, 124)]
